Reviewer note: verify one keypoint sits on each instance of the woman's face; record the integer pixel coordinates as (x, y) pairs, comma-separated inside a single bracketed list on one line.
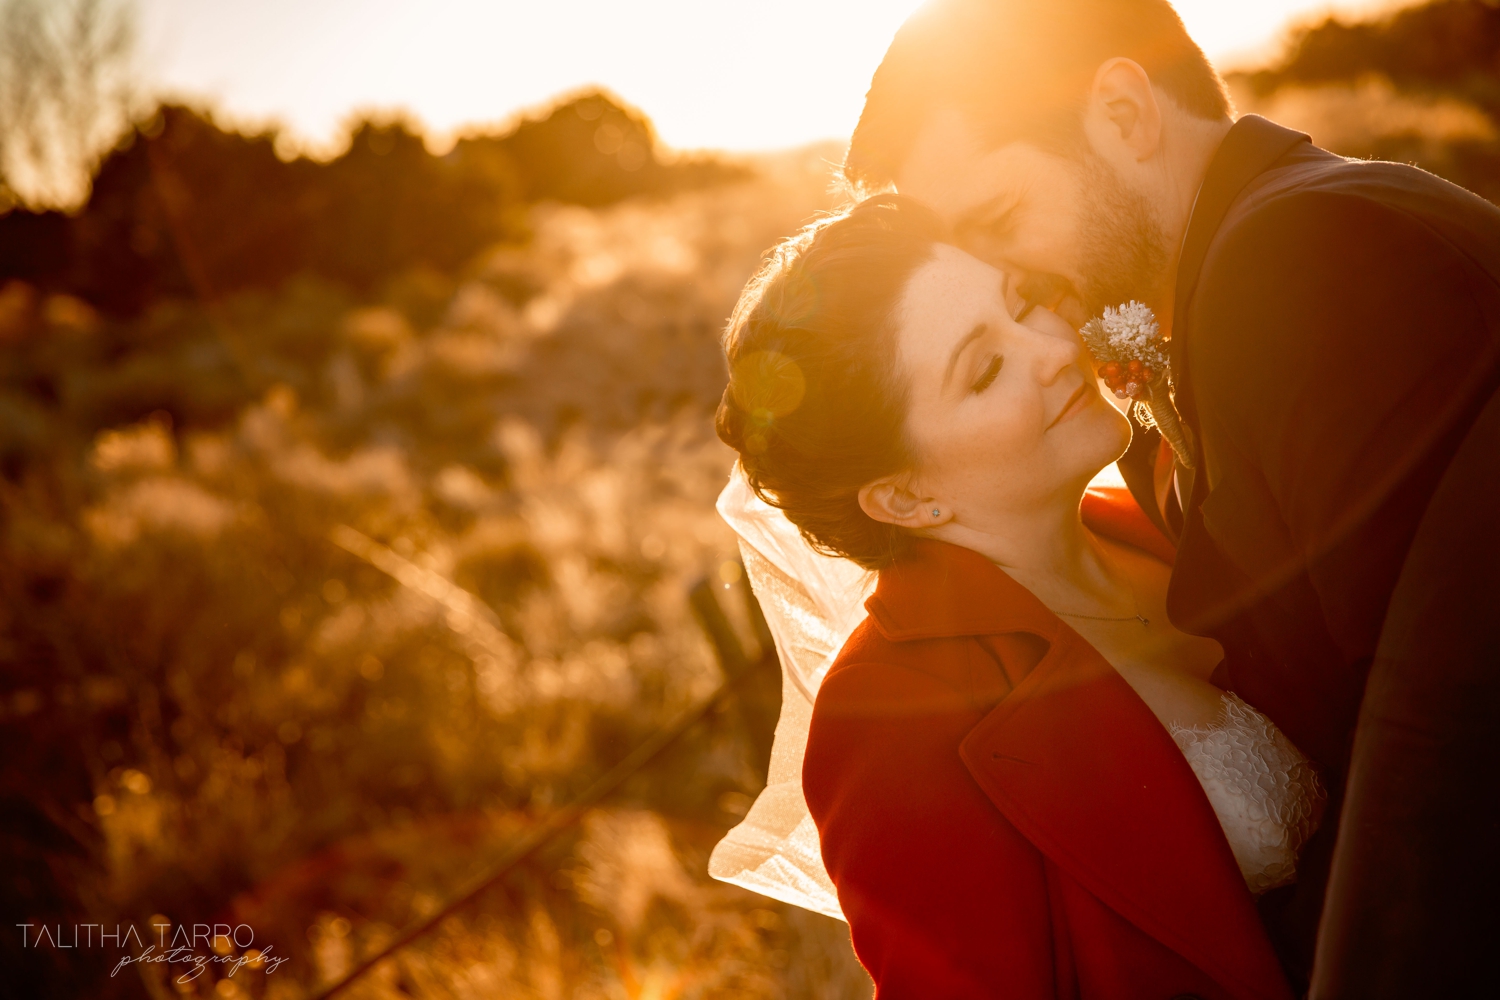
[(1003, 416)]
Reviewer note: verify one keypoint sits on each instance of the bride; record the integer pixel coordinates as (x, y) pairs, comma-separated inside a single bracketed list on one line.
[(1023, 781)]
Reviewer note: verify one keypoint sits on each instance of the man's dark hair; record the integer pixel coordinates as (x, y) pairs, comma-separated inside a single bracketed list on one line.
[(1019, 69)]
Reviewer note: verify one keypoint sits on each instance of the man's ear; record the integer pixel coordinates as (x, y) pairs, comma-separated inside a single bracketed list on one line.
[(1123, 118), (890, 502)]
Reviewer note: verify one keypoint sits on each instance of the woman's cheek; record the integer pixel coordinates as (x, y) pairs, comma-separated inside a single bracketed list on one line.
[(1021, 413), (1005, 428)]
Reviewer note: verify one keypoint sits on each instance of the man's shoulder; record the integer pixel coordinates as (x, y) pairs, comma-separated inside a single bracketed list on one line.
[(1314, 199), (1322, 258)]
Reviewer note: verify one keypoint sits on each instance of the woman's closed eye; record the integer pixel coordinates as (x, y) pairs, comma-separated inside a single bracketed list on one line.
[(988, 376)]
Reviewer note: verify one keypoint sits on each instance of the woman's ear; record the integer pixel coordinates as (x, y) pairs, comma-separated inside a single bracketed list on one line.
[(889, 502)]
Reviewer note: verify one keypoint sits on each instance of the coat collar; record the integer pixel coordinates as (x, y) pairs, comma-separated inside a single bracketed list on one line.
[(1081, 767), (930, 593), (1250, 148)]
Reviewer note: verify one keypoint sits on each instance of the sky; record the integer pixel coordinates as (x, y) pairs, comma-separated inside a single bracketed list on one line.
[(723, 74)]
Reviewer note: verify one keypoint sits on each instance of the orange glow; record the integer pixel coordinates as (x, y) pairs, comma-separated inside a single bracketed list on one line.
[(710, 74)]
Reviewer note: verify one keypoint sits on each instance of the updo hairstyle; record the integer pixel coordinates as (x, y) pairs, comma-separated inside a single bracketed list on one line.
[(815, 405)]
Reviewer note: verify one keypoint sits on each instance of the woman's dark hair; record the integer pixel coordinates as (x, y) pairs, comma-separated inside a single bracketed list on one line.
[(814, 405)]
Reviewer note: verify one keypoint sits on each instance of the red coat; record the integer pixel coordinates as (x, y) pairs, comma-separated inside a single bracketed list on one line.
[(1004, 817)]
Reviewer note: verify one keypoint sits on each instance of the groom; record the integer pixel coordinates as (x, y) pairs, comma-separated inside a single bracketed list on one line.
[(1334, 328)]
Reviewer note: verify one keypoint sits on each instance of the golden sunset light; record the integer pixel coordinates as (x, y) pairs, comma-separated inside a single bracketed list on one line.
[(736, 500), (710, 73)]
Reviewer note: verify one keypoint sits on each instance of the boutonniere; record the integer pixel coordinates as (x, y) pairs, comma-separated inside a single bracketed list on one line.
[(1133, 361)]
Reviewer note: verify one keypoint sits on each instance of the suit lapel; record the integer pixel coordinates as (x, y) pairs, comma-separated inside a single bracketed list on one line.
[(1137, 468), (1248, 150), (1079, 765), (1197, 597)]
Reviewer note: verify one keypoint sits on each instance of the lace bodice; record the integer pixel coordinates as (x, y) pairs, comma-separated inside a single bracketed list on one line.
[(1267, 796)]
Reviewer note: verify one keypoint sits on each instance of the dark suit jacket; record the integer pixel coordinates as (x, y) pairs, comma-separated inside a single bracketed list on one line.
[(1004, 817), (1411, 899), (1335, 334)]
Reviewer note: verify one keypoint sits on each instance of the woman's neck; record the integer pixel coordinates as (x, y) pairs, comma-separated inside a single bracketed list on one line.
[(1047, 550)]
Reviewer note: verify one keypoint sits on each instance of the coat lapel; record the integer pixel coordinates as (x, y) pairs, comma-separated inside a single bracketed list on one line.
[(1079, 765)]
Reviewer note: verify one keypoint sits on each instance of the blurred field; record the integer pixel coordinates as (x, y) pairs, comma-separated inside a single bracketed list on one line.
[(232, 383), (215, 713), (1420, 85)]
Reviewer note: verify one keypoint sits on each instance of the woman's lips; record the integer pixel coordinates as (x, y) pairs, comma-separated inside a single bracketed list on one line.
[(1075, 404)]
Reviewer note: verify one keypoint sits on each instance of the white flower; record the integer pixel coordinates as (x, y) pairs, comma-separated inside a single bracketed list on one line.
[(1133, 323), (1127, 333)]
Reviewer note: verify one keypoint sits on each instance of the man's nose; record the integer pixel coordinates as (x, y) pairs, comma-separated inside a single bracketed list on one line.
[(1045, 290), (1054, 292)]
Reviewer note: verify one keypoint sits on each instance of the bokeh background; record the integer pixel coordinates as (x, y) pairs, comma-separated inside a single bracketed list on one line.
[(260, 364)]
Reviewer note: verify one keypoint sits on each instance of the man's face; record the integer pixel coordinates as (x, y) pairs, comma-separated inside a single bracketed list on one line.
[(1074, 235)]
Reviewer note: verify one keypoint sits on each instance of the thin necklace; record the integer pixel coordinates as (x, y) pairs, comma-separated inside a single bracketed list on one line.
[(1134, 602), (1137, 617)]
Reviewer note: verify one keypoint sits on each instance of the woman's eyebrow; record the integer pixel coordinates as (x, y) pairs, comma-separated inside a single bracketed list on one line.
[(979, 330)]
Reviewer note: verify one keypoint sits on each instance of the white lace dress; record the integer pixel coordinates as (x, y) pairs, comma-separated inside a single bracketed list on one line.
[(1265, 792)]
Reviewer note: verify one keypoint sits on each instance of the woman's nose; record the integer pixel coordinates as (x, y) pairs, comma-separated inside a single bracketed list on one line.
[(1058, 357), (1055, 346)]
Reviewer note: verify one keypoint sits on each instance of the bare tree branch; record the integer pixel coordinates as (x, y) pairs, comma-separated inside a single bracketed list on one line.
[(67, 90)]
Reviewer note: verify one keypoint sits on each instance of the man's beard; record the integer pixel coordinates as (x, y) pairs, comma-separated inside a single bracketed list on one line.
[(1123, 253)]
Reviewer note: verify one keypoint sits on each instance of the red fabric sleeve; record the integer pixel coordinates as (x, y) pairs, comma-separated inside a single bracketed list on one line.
[(944, 898)]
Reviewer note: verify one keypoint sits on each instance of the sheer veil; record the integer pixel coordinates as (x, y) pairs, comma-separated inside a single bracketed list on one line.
[(812, 603)]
